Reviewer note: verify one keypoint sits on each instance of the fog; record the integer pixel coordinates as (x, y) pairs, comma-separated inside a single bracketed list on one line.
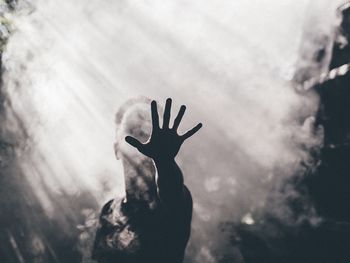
[(69, 65)]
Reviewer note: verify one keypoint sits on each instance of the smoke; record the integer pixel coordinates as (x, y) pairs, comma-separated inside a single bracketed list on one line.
[(70, 65)]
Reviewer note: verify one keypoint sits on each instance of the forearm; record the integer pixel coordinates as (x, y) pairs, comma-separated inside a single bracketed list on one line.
[(170, 182)]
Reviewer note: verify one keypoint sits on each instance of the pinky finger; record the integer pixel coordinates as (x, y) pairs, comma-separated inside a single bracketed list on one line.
[(192, 131)]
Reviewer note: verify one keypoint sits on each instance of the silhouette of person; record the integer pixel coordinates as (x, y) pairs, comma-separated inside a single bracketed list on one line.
[(152, 222)]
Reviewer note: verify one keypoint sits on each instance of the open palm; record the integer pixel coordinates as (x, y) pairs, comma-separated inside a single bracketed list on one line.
[(165, 142)]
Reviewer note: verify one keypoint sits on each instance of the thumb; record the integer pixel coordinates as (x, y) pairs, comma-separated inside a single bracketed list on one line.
[(134, 142)]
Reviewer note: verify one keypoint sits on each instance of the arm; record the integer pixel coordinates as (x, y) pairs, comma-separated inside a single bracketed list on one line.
[(163, 146), (170, 182)]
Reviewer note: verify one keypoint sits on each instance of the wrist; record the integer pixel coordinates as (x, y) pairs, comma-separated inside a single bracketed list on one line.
[(163, 157), (160, 160)]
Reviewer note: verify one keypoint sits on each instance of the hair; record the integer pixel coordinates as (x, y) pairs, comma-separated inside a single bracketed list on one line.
[(126, 106)]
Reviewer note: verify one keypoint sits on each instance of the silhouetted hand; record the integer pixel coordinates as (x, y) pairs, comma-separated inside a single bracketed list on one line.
[(165, 142)]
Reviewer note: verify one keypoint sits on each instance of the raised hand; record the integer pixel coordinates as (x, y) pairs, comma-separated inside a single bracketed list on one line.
[(165, 142)]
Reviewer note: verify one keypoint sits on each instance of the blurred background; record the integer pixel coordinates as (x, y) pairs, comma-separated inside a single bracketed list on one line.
[(268, 172)]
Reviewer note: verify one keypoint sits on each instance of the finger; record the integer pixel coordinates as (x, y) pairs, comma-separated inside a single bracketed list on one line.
[(179, 117), (134, 142), (192, 131), (155, 117), (166, 116)]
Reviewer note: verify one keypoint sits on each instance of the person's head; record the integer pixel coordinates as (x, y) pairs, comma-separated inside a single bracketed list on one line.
[(133, 118)]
